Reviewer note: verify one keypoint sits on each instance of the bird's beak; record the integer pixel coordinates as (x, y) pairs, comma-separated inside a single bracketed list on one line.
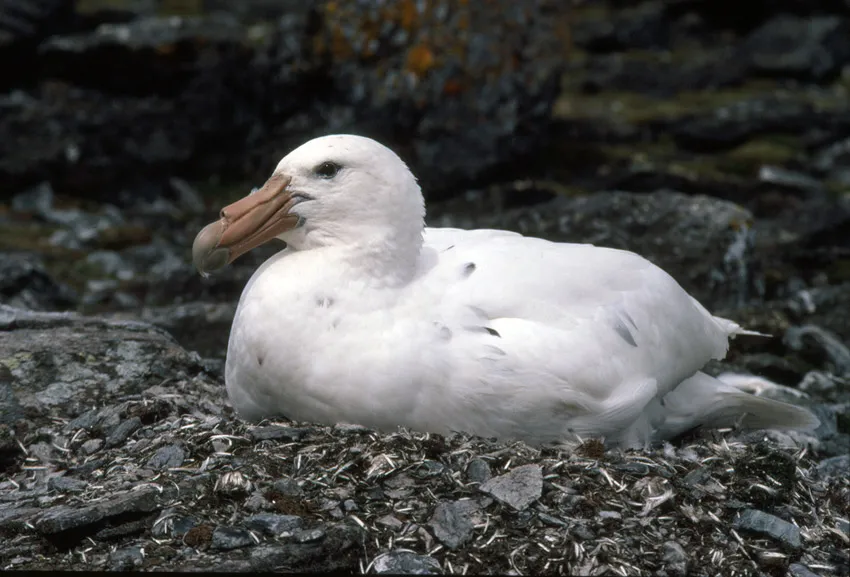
[(246, 224)]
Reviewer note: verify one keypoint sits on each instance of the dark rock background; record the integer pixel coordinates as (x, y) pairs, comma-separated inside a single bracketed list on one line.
[(713, 137)]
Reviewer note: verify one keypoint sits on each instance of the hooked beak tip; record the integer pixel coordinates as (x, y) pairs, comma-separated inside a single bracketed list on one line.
[(206, 253)]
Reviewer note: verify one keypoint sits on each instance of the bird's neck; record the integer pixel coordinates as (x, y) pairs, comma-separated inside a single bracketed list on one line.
[(388, 257)]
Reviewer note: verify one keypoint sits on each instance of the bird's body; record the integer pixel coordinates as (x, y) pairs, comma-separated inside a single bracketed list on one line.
[(367, 317)]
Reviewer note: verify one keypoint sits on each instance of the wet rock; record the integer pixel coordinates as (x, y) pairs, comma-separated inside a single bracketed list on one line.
[(227, 538), (675, 559), (167, 457), (25, 283), (452, 522), (518, 488), (273, 524), (769, 525), (406, 563), (813, 48), (126, 559)]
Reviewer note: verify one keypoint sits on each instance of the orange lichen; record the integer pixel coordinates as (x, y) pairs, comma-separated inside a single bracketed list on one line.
[(408, 14), (420, 59), (453, 87), (166, 49)]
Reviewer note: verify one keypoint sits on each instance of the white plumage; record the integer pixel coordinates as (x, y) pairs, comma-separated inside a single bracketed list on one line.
[(368, 317)]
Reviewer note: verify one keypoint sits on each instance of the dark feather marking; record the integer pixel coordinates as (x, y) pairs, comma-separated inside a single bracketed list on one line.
[(324, 302), (623, 331), (448, 248), (477, 329), (630, 319), (260, 359), (469, 268)]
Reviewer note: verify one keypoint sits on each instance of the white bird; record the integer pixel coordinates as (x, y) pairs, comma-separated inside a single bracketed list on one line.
[(369, 317)]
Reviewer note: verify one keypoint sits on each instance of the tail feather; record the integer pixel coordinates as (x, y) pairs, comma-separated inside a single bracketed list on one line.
[(703, 401)]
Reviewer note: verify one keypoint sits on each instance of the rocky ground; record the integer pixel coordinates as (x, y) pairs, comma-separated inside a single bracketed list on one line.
[(711, 137)]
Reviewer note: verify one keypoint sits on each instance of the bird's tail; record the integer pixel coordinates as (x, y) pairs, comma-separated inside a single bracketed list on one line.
[(703, 401)]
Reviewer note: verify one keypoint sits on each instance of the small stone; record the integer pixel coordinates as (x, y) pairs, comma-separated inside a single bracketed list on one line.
[(126, 559), (452, 522), (350, 506), (167, 457), (308, 535), (800, 570), (761, 522), (406, 563), (287, 488), (478, 471), (273, 524), (518, 488), (610, 515), (122, 432), (227, 538), (390, 521), (675, 559), (277, 433), (257, 502), (66, 485)]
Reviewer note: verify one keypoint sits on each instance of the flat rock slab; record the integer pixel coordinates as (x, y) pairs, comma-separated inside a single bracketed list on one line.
[(519, 488), (760, 522)]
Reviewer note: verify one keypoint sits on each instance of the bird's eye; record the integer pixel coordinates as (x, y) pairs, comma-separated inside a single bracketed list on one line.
[(327, 170)]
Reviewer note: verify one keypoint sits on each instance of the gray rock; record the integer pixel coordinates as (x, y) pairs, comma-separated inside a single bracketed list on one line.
[(329, 554), (167, 457), (272, 524), (91, 446), (287, 488), (66, 485), (518, 488), (64, 518), (308, 535), (227, 538), (675, 559), (478, 471), (813, 48), (838, 466), (122, 432), (766, 524), (275, 433), (126, 559), (820, 346), (406, 563), (453, 522), (25, 283), (800, 570), (60, 362)]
